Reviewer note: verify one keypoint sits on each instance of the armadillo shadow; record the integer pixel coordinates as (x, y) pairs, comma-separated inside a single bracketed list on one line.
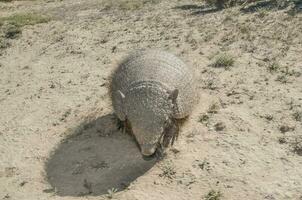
[(95, 158)]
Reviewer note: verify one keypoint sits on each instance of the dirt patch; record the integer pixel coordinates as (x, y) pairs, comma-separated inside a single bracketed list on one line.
[(241, 142)]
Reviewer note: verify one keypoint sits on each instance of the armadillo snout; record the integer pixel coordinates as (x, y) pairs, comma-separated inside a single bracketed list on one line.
[(148, 149)]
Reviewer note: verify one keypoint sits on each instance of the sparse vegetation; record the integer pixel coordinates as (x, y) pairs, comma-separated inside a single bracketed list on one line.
[(244, 29), (222, 3), (12, 31), (128, 4), (297, 145), (269, 3), (11, 27), (3, 43), (286, 71), (282, 78), (214, 107), (298, 116), (282, 140), (211, 84), (213, 195), (111, 192), (168, 171), (20, 20), (298, 149), (273, 67), (6, 1), (204, 118), (205, 165), (223, 61), (262, 12)]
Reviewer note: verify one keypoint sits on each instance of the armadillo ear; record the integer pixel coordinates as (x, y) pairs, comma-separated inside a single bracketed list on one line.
[(120, 105), (173, 95), (121, 94)]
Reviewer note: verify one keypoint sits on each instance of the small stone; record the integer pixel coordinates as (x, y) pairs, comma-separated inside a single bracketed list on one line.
[(282, 140), (10, 171), (175, 151), (286, 128), (269, 117), (50, 190), (65, 115), (23, 183), (220, 126), (103, 41), (155, 183), (113, 49), (52, 86)]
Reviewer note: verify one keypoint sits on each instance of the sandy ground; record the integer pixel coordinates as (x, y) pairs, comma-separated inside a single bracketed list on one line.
[(58, 139)]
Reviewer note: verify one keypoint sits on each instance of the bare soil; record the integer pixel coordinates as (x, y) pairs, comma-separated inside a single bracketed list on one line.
[(59, 139)]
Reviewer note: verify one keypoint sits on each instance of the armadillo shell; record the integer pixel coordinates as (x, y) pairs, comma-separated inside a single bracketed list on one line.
[(148, 100), (156, 66)]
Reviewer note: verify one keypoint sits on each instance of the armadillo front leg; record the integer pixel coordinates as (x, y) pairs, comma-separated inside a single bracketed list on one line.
[(120, 125), (170, 133), (124, 126)]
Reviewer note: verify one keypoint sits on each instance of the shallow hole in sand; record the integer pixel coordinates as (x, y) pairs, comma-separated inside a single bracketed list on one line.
[(95, 158)]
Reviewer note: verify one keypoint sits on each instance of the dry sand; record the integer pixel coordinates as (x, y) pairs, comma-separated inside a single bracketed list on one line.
[(58, 139)]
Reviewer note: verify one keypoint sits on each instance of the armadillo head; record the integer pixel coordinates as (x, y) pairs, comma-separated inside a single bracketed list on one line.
[(148, 107)]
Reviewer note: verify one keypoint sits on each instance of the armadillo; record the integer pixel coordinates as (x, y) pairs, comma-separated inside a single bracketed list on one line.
[(150, 91)]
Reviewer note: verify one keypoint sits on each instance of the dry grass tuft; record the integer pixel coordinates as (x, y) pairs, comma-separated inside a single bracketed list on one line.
[(11, 27), (213, 195), (128, 4), (20, 20), (223, 61)]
